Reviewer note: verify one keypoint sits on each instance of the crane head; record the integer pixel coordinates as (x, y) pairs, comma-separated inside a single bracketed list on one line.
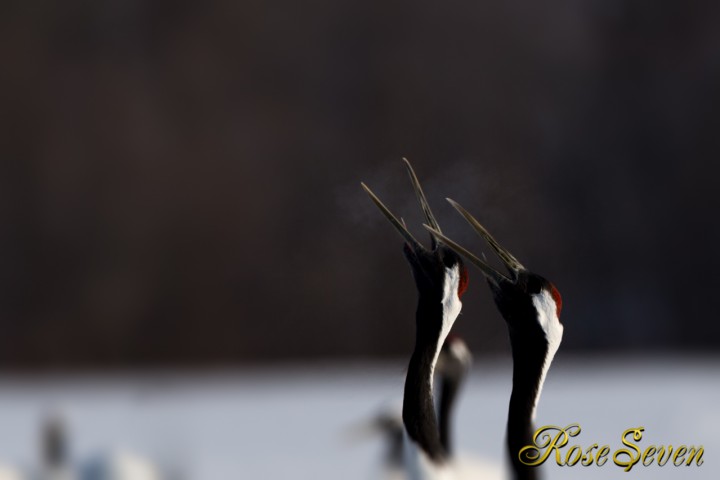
[(530, 304), (440, 274)]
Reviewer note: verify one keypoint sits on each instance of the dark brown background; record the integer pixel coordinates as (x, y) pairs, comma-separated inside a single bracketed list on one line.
[(179, 183)]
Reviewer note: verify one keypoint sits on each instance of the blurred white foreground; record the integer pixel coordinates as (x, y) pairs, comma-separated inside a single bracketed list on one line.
[(298, 423)]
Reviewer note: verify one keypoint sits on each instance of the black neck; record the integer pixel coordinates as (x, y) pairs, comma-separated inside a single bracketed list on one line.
[(393, 432), (528, 357), (418, 405), (53, 447), (449, 386)]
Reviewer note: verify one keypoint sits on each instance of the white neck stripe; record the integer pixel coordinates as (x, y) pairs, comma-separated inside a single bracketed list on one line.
[(451, 308), (547, 317)]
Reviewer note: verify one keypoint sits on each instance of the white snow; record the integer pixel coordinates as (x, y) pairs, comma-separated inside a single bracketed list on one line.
[(297, 422)]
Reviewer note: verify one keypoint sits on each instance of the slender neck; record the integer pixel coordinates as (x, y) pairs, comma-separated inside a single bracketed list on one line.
[(528, 360), (53, 446), (394, 450), (418, 405), (448, 392)]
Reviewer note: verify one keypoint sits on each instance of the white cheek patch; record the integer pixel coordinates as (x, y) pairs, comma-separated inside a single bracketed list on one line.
[(451, 302), (550, 323), (451, 306)]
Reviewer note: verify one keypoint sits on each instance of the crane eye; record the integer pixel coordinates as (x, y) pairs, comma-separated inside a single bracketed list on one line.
[(463, 284), (558, 299)]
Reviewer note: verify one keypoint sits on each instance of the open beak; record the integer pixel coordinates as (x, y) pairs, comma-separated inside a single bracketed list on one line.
[(429, 217), (399, 224), (513, 266), (493, 275)]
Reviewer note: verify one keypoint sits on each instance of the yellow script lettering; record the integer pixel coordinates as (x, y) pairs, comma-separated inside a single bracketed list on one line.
[(631, 459), (544, 443)]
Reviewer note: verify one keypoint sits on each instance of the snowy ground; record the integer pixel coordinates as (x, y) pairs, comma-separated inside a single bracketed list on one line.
[(298, 423)]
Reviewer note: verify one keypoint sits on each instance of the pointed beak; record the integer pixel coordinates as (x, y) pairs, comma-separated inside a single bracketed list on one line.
[(511, 263), (493, 275), (429, 217), (399, 226)]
